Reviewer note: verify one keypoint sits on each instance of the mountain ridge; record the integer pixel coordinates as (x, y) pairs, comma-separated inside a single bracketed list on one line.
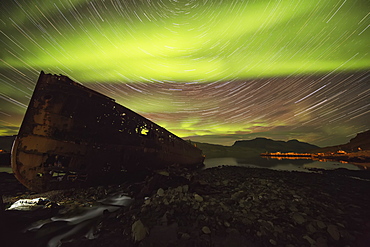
[(276, 146), (359, 143), (254, 147)]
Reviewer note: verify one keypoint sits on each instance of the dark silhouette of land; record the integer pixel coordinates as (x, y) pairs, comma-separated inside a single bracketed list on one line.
[(359, 143), (250, 148)]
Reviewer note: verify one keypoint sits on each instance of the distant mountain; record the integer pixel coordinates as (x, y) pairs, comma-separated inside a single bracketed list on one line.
[(269, 145), (360, 142), (215, 151), (249, 148)]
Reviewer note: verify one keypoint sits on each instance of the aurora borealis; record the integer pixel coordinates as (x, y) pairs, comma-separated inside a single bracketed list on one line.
[(211, 70)]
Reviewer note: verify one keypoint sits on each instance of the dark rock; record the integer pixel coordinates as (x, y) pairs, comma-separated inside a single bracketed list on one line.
[(198, 198), (333, 231), (206, 230), (255, 207), (298, 218), (160, 192)]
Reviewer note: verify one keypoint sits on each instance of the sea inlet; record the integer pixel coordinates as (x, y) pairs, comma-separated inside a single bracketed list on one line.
[(283, 164)]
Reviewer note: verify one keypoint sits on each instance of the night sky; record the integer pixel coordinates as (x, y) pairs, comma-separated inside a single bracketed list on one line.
[(213, 71)]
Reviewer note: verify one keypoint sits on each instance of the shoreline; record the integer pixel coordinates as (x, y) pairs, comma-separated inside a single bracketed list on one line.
[(223, 206), (359, 157)]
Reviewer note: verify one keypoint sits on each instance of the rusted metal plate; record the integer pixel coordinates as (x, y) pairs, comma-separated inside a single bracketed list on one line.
[(72, 135)]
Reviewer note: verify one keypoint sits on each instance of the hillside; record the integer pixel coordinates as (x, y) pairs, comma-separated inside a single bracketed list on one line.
[(248, 148), (215, 151), (268, 145), (360, 142)]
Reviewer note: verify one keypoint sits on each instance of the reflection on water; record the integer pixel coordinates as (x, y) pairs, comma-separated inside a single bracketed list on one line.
[(278, 164), (294, 164)]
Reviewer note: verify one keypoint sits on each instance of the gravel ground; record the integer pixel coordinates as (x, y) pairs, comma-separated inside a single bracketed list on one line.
[(222, 206)]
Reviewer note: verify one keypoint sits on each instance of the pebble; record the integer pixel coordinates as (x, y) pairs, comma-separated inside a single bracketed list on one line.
[(198, 198), (139, 231), (310, 228), (320, 224), (309, 239), (206, 230), (160, 192), (333, 231), (185, 236), (185, 188), (273, 242), (297, 217)]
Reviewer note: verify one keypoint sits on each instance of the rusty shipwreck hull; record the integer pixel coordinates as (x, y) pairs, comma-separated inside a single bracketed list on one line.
[(72, 136)]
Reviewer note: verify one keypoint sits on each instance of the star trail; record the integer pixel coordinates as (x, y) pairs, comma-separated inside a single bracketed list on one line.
[(213, 71)]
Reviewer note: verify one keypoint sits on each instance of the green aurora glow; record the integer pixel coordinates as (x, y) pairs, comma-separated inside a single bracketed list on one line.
[(215, 70), (235, 39)]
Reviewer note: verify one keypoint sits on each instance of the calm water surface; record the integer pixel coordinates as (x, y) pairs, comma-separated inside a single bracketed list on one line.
[(259, 162), (275, 164)]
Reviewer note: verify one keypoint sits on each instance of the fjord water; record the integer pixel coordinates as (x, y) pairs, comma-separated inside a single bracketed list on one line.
[(259, 162), (278, 164)]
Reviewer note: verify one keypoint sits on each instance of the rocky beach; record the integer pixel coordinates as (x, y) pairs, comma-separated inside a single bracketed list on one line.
[(221, 206)]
